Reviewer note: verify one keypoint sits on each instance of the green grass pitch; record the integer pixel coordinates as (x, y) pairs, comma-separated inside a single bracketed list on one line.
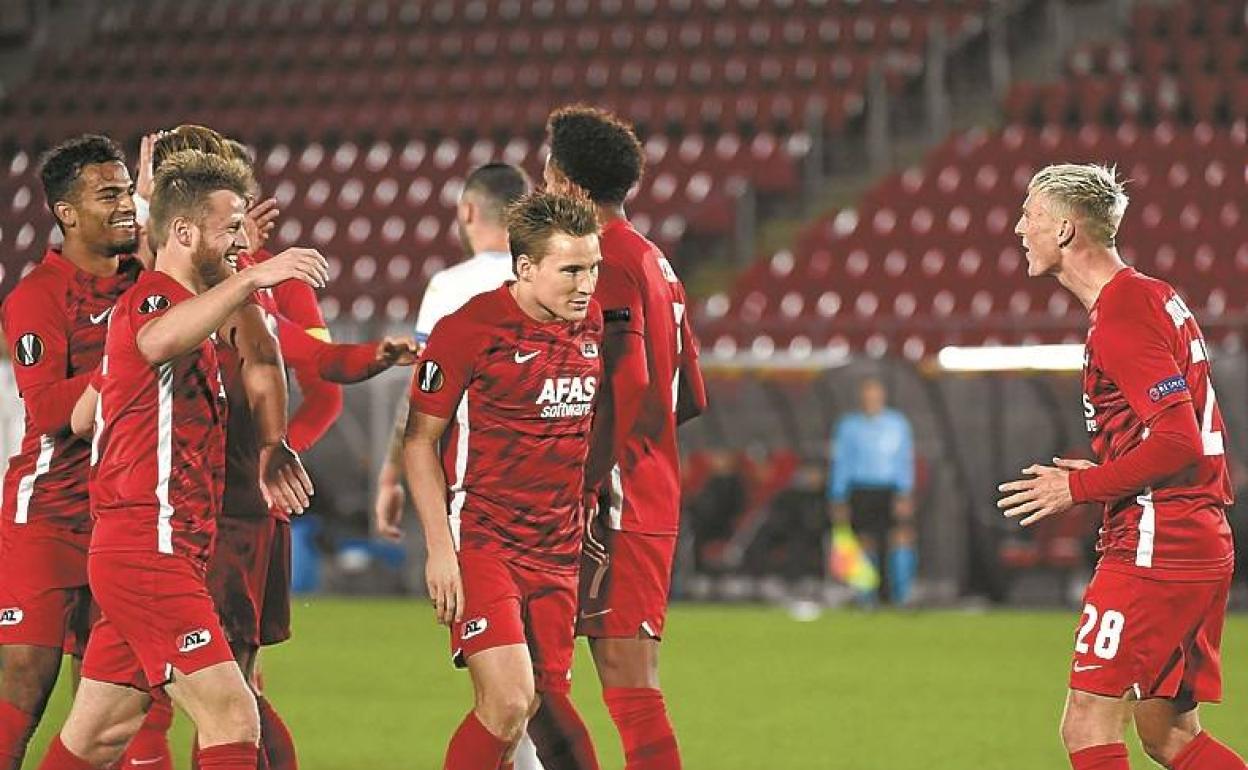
[(365, 685)]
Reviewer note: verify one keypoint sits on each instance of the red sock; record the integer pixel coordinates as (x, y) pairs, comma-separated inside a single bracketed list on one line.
[(227, 756), (641, 717), (61, 758), (149, 748), (561, 738), (1204, 752), (1111, 756), (474, 748), (275, 738), (16, 727)]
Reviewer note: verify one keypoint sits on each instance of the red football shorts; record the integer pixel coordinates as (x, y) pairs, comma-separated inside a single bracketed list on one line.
[(44, 598), (1154, 638), (626, 597), (509, 604), (158, 617), (249, 579)]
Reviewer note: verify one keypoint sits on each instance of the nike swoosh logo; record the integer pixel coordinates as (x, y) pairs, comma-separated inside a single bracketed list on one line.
[(591, 615), (101, 318), (520, 359), (146, 761), (1080, 669)]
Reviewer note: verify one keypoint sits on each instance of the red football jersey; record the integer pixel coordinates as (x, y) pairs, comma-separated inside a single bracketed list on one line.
[(243, 498), (521, 394), (1144, 354), (160, 436), (640, 294), (56, 320)]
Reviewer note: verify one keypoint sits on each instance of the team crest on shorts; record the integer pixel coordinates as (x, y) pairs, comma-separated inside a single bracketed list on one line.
[(430, 378), (154, 303), (474, 627), (29, 349), (193, 640), (11, 616)]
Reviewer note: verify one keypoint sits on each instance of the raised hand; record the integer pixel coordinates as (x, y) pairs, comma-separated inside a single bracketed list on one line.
[(296, 263), (145, 178), (259, 222)]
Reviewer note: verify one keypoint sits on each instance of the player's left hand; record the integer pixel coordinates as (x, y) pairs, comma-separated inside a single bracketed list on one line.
[(283, 481), (593, 543), (258, 223), (1046, 493), (397, 351)]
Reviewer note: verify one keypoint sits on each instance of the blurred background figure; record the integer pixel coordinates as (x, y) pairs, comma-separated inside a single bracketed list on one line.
[(871, 484)]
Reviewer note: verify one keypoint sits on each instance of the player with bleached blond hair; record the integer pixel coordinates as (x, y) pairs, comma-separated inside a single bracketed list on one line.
[(1148, 644)]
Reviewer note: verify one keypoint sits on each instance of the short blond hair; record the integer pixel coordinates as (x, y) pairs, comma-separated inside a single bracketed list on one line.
[(1091, 192), (534, 218), (183, 183)]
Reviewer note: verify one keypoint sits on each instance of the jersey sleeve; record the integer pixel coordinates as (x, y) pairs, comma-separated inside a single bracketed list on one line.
[(622, 299), (38, 335), (151, 302), (1134, 348), (318, 409), (37, 331), (446, 367), (297, 302)]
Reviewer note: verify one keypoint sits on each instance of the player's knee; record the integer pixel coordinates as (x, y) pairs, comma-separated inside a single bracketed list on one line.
[(233, 718), (1077, 732), (29, 676), (626, 665), (505, 711), (107, 746), (1090, 721)]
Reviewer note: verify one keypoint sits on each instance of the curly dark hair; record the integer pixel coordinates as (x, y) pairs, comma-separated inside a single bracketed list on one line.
[(596, 150), (60, 167)]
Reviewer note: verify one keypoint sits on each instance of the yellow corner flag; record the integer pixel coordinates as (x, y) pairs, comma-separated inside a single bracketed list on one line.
[(849, 564)]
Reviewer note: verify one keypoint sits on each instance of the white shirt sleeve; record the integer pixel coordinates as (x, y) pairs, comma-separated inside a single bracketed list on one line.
[(12, 415), (433, 306)]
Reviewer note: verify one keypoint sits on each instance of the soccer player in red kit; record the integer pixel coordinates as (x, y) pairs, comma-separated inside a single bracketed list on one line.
[(513, 374), (652, 383), (1148, 644), (158, 478), (56, 319), (249, 572)]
